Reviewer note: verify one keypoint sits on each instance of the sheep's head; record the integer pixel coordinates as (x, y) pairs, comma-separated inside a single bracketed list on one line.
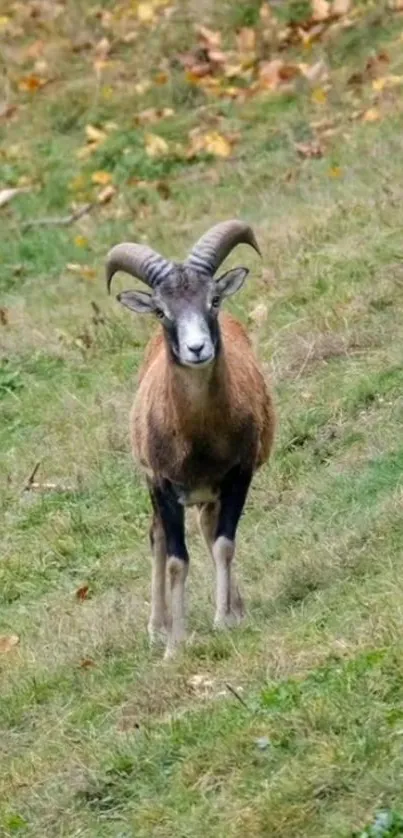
[(185, 297)]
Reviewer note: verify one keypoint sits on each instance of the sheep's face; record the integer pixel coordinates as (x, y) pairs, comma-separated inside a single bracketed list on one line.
[(187, 304)]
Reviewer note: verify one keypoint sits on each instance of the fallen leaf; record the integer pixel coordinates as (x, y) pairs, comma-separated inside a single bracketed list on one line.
[(102, 49), (145, 12), (315, 73), (8, 642), (209, 38), (310, 149), (341, 7), (81, 241), (6, 195), (31, 83), (320, 9), (259, 314), (86, 271), (163, 189), (217, 144), (86, 663), (334, 171), (82, 592), (161, 78), (106, 194), (319, 96), (7, 109), (150, 115), (274, 73), (386, 81), (3, 316), (156, 146), (246, 39), (101, 177), (95, 135), (371, 115)]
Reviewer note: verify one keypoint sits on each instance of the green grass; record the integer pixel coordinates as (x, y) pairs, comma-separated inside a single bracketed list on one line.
[(291, 725)]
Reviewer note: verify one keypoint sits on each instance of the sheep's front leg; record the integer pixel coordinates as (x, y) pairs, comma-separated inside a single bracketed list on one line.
[(157, 624), (234, 489), (172, 517)]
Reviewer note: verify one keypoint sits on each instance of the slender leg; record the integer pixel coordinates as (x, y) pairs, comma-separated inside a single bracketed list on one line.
[(234, 489), (172, 517), (157, 624)]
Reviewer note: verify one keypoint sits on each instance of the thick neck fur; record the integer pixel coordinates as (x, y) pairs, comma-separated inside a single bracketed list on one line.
[(196, 395)]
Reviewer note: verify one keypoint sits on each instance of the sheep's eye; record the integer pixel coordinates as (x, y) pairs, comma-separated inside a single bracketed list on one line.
[(215, 302), (160, 314)]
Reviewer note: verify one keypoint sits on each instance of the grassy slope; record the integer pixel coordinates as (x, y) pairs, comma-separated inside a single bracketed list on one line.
[(130, 746)]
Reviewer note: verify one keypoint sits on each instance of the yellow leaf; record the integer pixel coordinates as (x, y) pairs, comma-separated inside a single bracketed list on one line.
[(334, 171), (145, 12), (217, 144), (81, 241), (156, 146), (106, 194), (86, 271), (371, 115), (94, 135), (386, 81), (319, 96), (8, 642), (31, 84), (101, 178), (4, 20)]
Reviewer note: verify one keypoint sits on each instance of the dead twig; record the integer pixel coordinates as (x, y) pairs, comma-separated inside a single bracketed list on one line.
[(63, 221), (30, 481), (237, 696)]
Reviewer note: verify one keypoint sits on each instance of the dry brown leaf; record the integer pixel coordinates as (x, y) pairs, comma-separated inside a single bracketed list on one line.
[(151, 115), (259, 314), (320, 9), (341, 7), (217, 144), (31, 83), (8, 642), (6, 195), (208, 38), (86, 271), (101, 177), (95, 135), (274, 73), (156, 146), (106, 194), (371, 115), (386, 81), (246, 39), (315, 73), (161, 78), (3, 316), (86, 663), (82, 592), (310, 149)]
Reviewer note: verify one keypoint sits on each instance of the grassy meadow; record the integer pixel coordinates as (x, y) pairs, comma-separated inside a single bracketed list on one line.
[(290, 726)]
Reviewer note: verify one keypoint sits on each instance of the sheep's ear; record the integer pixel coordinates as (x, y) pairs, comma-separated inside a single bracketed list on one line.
[(230, 282), (138, 301)]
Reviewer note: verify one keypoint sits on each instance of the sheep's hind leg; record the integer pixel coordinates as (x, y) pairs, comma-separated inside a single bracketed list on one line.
[(229, 603), (158, 623)]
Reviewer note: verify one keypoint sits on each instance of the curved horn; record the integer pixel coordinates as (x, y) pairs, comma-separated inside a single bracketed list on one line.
[(210, 251), (138, 260)]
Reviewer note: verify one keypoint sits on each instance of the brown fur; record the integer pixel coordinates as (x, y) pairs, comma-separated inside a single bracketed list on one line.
[(192, 426)]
